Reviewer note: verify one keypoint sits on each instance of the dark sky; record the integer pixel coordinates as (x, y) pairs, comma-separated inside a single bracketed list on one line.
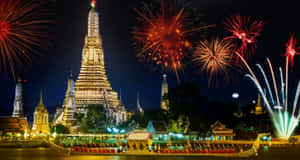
[(129, 75)]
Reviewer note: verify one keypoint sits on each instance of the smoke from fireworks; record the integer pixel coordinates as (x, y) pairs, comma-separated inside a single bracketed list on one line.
[(21, 32), (163, 37), (244, 33), (214, 56)]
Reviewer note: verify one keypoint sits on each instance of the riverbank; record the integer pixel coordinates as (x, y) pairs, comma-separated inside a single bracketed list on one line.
[(24, 144)]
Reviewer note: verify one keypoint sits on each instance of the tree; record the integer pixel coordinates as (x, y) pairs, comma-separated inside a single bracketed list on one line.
[(95, 120), (180, 124), (60, 129), (185, 101)]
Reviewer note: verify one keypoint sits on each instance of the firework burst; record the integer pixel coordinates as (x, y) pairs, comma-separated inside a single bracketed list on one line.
[(21, 32), (163, 37), (291, 50), (214, 56), (244, 33)]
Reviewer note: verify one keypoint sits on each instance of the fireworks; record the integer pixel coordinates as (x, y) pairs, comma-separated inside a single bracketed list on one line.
[(163, 38), (291, 49), (244, 33), (284, 121), (214, 56), (21, 32)]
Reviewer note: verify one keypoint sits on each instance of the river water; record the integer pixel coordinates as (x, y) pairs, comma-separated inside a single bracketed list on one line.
[(52, 154)]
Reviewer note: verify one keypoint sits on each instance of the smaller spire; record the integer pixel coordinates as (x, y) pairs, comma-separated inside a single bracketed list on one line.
[(93, 3), (258, 104), (139, 108)]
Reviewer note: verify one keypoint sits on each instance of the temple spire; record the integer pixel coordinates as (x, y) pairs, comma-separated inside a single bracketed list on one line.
[(93, 23), (164, 104), (18, 102), (139, 109), (258, 107)]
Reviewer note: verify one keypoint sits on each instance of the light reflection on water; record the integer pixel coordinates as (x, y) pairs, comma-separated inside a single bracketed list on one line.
[(52, 154)]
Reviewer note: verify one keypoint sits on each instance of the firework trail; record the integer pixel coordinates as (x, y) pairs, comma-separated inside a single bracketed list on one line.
[(244, 33), (284, 121), (21, 32)]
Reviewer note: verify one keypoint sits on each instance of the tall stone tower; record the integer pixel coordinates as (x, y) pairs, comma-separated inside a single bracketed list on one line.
[(92, 80), (69, 106), (18, 103), (40, 119), (164, 103)]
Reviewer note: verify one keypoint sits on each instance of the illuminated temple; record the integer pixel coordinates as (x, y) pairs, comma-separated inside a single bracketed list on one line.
[(92, 85)]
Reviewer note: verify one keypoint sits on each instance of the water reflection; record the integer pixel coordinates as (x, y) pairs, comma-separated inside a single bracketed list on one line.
[(52, 154)]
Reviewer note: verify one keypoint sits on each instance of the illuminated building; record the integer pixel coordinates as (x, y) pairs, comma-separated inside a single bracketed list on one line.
[(40, 120), (258, 107), (164, 103), (220, 132), (92, 85), (18, 103), (14, 128), (69, 107)]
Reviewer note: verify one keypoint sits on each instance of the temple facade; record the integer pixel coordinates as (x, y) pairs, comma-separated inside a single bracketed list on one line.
[(164, 103), (40, 125), (92, 85), (18, 102)]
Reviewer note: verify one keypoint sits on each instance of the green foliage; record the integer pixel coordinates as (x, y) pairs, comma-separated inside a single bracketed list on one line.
[(179, 124), (79, 117), (60, 129), (95, 120)]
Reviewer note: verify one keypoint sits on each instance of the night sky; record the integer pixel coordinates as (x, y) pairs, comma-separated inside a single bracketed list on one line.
[(126, 73)]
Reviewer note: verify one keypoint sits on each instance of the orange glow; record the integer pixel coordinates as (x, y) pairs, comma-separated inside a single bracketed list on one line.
[(214, 57), (21, 32), (93, 3)]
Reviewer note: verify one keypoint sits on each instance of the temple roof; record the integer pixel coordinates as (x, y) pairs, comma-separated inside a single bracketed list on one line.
[(14, 124)]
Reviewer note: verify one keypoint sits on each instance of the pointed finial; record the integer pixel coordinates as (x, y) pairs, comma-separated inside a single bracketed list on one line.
[(93, 3), (165, 76), (137, 98), (71, 75), (41, 98)]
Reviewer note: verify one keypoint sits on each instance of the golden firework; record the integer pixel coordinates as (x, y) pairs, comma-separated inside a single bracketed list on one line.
[(213, 56)]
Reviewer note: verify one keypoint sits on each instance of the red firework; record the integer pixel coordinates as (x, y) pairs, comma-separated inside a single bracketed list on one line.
[(292, 50), (244, 33), (163, 38), (21, 32)]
